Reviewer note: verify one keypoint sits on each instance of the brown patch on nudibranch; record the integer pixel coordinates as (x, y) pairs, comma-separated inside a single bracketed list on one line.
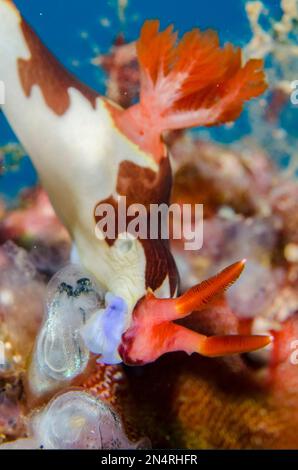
[(159, 264), (144, 186), (44, 70), (159, 260)]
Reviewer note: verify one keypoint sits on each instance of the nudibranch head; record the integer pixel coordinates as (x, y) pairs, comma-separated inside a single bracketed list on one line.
[(154, 333)]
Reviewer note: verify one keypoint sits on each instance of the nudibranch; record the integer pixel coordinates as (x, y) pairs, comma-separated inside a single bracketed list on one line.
[(89, 151)]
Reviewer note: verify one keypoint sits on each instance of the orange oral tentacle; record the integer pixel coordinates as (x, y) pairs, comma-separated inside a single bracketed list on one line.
[(233, 344), (198, 296), (183, 339)]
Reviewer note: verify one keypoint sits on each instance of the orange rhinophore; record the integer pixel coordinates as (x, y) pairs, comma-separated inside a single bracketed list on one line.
[(193, 83), (153, 332), (200, 295)]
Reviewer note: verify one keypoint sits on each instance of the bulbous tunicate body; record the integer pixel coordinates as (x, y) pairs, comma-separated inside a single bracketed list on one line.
[(76, 420), (60, 353)]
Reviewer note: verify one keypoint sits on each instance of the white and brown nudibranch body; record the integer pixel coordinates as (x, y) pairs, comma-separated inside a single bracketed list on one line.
[(89, 151)]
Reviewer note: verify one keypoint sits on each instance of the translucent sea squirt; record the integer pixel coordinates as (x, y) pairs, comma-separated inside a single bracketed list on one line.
[(75, 420)]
